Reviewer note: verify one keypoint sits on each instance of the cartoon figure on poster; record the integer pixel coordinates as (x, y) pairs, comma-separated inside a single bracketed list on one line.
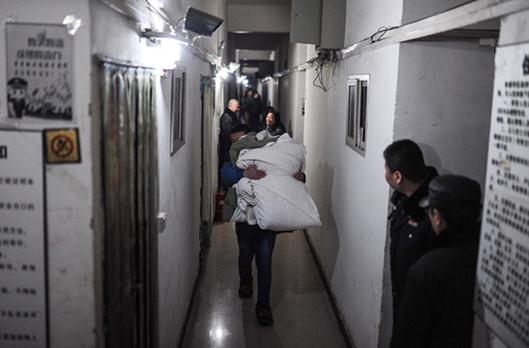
[(16, 97), (38, 70)]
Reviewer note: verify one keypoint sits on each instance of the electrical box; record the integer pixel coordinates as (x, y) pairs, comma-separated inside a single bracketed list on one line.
[(333, 24), (305, 21), (318, 22)]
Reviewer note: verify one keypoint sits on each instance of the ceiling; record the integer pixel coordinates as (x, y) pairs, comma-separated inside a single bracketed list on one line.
[(257, 41)]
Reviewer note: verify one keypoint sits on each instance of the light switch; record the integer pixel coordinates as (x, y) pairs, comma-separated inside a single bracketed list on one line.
[(162, 220)]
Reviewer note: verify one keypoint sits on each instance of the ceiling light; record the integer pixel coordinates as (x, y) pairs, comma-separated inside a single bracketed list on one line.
[(242, 79), (153, 34), (72, 23), (232, 67), (223, 73)]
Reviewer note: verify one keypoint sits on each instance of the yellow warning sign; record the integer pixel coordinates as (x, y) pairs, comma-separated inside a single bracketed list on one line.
[(62, 145)]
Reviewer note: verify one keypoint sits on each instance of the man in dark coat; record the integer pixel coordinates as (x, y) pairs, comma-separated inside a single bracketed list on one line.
[(436, 307), (410, 229), (228, 120)]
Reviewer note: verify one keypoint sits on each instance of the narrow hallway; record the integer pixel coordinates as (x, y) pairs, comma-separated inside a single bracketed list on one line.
[(303, 314), (391, 136)]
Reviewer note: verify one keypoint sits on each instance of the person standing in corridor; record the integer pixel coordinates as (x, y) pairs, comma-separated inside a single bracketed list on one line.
[(228, 120), (253, 241), (410, 230), (436, 306)]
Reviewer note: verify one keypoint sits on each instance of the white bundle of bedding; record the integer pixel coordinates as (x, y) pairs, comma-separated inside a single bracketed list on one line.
[(277, 202)]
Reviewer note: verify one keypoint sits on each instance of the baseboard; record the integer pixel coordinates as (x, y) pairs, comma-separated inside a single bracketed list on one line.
[(203, 257), (332, 299)]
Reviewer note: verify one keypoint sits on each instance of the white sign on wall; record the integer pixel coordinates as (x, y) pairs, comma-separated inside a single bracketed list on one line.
[(23, 266), (503, 267), (39, 71)]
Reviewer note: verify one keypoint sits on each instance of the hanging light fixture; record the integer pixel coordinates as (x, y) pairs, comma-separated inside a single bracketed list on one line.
[(186, 30)]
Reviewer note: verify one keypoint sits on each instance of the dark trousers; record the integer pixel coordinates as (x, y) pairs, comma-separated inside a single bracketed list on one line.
[(254, 241)]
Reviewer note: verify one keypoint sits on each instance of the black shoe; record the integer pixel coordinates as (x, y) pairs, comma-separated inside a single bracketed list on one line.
[(245, 290), (264, 315)]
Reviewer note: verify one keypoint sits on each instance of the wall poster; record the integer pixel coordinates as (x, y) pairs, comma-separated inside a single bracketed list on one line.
[(502, 299), (39, 71), (23, 241)]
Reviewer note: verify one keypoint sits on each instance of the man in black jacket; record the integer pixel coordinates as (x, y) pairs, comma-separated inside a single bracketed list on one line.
[(410, 229), (228, 120), (436, 307)]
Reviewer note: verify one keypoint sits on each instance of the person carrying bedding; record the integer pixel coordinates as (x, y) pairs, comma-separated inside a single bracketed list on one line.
[(251, 238), (284, 158)]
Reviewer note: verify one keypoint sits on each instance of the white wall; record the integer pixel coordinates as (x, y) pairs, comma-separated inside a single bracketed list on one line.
[(70, 199), (429, 92), (351, 242), (365, 17), (180, 181), (333, 23), (418, 9), (180, 174), (259, 18), (443, 103), (350, 190), (292, 93)]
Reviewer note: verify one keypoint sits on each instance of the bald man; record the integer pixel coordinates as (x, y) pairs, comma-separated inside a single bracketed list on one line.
[(228, 120)]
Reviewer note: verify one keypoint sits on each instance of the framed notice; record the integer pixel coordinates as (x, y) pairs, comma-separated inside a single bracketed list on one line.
[(23, 241), (503, 268), (39, 71), (178, 86)]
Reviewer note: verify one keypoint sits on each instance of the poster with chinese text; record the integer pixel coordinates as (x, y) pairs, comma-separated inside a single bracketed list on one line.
[(39, 71), (502, 299), (23, 241)]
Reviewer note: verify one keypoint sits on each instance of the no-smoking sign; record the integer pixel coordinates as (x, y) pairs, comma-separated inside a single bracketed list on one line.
[(62, 145)]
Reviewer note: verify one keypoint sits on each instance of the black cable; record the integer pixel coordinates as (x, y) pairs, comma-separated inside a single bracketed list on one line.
[(380, 33), (329, 57)]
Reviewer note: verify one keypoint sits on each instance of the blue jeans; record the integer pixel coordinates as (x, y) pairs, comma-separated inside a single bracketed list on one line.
[(253, 241)]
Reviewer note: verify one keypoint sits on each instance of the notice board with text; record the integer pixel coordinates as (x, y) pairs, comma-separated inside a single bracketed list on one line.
[(23, 241), (502, 299)]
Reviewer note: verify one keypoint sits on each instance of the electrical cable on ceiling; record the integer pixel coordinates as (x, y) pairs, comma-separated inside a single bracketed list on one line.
[(379, 34), (331, 57)]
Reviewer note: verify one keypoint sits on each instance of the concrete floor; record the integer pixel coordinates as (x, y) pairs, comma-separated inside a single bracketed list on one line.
[(302, 312)]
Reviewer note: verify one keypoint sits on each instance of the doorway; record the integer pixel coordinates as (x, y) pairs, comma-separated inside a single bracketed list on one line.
[(130, 200)]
